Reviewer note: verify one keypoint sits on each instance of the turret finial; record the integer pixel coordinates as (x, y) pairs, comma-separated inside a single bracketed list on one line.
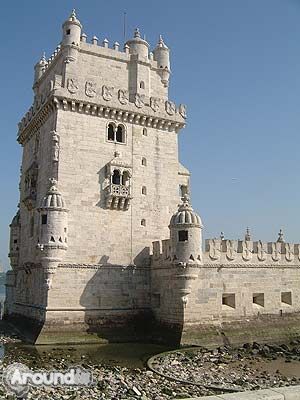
[(73, 14), (161, 42), (53, 185), (247, 235), (280, 237), (137, 33), (186, 199), (43, 60), (222, 237)]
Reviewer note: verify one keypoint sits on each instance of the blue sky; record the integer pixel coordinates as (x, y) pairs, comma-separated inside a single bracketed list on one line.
[(235, 63)]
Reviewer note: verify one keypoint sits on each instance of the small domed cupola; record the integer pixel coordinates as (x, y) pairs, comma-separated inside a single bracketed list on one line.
[(137, 45), (53, 199), (71, 30), (185, 231), (53, 223)]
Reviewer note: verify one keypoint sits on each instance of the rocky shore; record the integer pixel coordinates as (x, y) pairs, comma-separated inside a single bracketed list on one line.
[(206, 371)]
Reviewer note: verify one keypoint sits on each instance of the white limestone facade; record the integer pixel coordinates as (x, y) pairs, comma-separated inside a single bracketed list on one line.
[(99, 246)]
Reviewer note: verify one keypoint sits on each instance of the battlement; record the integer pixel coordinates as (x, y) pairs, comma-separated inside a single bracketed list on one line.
[(161, 251), (224, 250)]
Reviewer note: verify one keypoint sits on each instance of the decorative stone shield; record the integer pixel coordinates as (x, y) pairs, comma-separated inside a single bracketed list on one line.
[(139, 100), (182, 110), (72, 85), (154, 103), (90, 89), (107, 92), (170, 107), (123, 96)]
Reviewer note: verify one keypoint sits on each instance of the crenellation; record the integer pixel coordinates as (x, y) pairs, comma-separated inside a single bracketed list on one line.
[(246, 250)]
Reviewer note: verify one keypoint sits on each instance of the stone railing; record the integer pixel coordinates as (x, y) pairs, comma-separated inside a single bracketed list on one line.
[(118, 190), (117, 197)]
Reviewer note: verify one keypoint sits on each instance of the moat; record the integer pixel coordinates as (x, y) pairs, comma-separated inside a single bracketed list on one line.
[(124, 370)]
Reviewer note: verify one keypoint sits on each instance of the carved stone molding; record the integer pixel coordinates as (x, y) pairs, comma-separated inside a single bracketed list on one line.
[(123, 96), (72, 85), (155, 103), (170, 107), (90, 89), (139, 100), (55, 146), (107, 92), (121, 115)]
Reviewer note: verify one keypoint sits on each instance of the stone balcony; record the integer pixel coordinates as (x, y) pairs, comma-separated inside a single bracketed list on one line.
[(117, 197)]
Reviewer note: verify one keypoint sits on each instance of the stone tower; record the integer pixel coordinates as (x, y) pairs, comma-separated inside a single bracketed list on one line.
[(104, 131)]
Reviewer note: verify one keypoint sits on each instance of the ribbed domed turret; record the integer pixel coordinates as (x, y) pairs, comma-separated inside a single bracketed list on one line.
[(53, 226), (137, 45), (186, 215), (53, 198), (185, 233)]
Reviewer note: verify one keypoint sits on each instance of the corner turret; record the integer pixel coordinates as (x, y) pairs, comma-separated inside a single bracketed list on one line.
[(162, 55), (138, 46), (53, 226), (186, 234), (39, 68), (14, 245), (71, 30)]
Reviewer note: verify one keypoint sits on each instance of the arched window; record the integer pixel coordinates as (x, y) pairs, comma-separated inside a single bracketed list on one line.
[(116, 178), (125, 178), (115, 133), (143, 222), (142, 85), (144, 190), (111, 132), (120, 134), (145, 132), (144, 161)]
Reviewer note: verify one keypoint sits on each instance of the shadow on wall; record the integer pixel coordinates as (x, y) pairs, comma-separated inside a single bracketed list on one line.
[(143, 258), (117, 304), (118, 308), (103, 182)]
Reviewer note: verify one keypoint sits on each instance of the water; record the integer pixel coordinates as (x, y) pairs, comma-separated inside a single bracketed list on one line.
[(288, 369), (130, 355)]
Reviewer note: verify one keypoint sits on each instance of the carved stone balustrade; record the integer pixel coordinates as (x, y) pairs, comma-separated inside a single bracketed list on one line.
[(117, 197)]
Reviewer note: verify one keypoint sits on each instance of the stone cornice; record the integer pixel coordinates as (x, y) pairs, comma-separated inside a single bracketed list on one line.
[(58, 100), (34, 120), (125, 113)]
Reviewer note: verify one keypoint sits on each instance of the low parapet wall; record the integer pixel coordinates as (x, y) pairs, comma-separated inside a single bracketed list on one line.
[(284, 393), (245, 250)]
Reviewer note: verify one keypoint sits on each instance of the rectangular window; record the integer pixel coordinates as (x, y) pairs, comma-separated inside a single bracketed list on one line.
[(286, 298), (259, 299), (228, 300), (44, 219), (183, 236)]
